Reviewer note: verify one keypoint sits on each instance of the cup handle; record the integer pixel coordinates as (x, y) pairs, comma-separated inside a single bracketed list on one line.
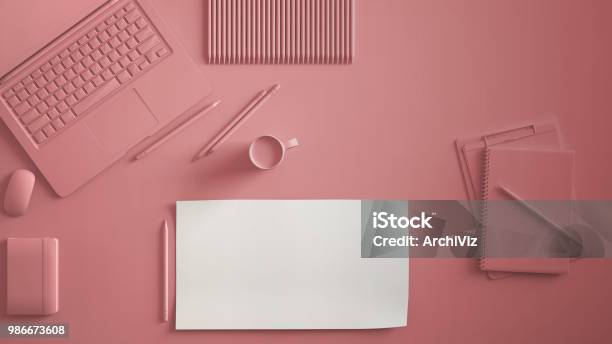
[(292, 143)]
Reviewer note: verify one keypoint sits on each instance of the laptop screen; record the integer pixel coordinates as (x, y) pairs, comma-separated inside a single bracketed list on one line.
[(28, 25)]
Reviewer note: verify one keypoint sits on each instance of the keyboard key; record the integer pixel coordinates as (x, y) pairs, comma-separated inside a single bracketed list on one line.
[(42, 93), (45, 67), (68, 88), (13, 101), (132, 16), (87, 74), (69, 74), (40, 82), (112, 30), (53, 113), (30, 88), (50, 101), (22, 108), (62, 107), (114, 42), (131, 43), (76, 55), (29, 116), (87, 61), (66, 63), (86, 49), (123, 36), (89, 87), (107, 75), (140, 23), (96, 55), (123, 76), (60, 80), (133, 55), (49, 130), (162, 52), (95, 69), (39, 137), (70, 100), (51, 87), (133, 69), (144, 47), (67, 117), (64, 54), (105, 62), (60, 94), (38, 124), (78, 68), (121, 24), (73, 47), (82, 40), (94, 43), (22, 94), (36, 74), (124, 61), (105, 48), (115, 68), (49, 75), (8, 93), (58, 69), (42, 107), (78, 82), (33, 100), (57, 124), (97, 80), (79, 94), (123, 49), (132, 29), (104, 36), (114, 56), (144, 34)]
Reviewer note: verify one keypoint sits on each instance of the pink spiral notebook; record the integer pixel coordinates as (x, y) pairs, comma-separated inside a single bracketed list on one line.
[(513, 239)]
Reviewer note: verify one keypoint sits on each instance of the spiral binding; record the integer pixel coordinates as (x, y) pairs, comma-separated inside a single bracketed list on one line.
[(484, 205)]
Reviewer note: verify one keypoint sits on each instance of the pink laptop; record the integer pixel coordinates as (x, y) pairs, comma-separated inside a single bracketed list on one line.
[(83, 81)]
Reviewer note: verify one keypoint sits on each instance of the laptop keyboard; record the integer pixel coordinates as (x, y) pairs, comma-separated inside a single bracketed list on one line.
[(57, 93)]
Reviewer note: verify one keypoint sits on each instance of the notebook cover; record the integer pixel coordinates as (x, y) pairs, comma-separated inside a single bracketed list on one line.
[(534, 175), (32, 276), (543, 134)]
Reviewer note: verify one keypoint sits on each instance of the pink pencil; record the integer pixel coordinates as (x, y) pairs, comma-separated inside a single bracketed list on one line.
[(232, 126), (175, 131)]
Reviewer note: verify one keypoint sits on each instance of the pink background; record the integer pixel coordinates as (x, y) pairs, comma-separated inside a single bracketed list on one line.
[(426, 72)]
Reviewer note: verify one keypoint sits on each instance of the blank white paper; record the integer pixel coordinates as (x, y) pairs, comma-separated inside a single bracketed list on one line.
[(279, 264)]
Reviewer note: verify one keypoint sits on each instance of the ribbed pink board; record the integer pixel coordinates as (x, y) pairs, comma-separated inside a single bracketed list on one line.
[(281, 31)]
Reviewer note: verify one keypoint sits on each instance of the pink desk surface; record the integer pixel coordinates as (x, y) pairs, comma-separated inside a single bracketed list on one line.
[(426, 72)]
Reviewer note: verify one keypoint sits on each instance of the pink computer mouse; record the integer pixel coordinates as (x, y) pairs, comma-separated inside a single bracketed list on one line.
[(18, 192)]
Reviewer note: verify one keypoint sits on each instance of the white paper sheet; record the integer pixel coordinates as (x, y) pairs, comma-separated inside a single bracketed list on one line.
[(272, 264)]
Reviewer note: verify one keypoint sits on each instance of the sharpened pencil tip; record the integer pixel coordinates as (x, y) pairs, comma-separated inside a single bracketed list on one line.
[(274, 88)]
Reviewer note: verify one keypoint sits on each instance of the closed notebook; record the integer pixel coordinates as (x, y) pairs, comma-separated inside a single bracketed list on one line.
[(513, 238), (32, 276)]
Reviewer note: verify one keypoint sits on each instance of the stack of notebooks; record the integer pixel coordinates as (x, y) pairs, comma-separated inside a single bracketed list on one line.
[(510, 176)]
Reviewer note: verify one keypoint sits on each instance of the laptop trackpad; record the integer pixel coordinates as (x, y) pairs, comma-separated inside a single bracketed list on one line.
[(120, 122)]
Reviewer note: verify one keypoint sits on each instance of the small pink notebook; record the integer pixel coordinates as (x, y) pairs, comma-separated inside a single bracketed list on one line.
[(32, 276), (513, 239)]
